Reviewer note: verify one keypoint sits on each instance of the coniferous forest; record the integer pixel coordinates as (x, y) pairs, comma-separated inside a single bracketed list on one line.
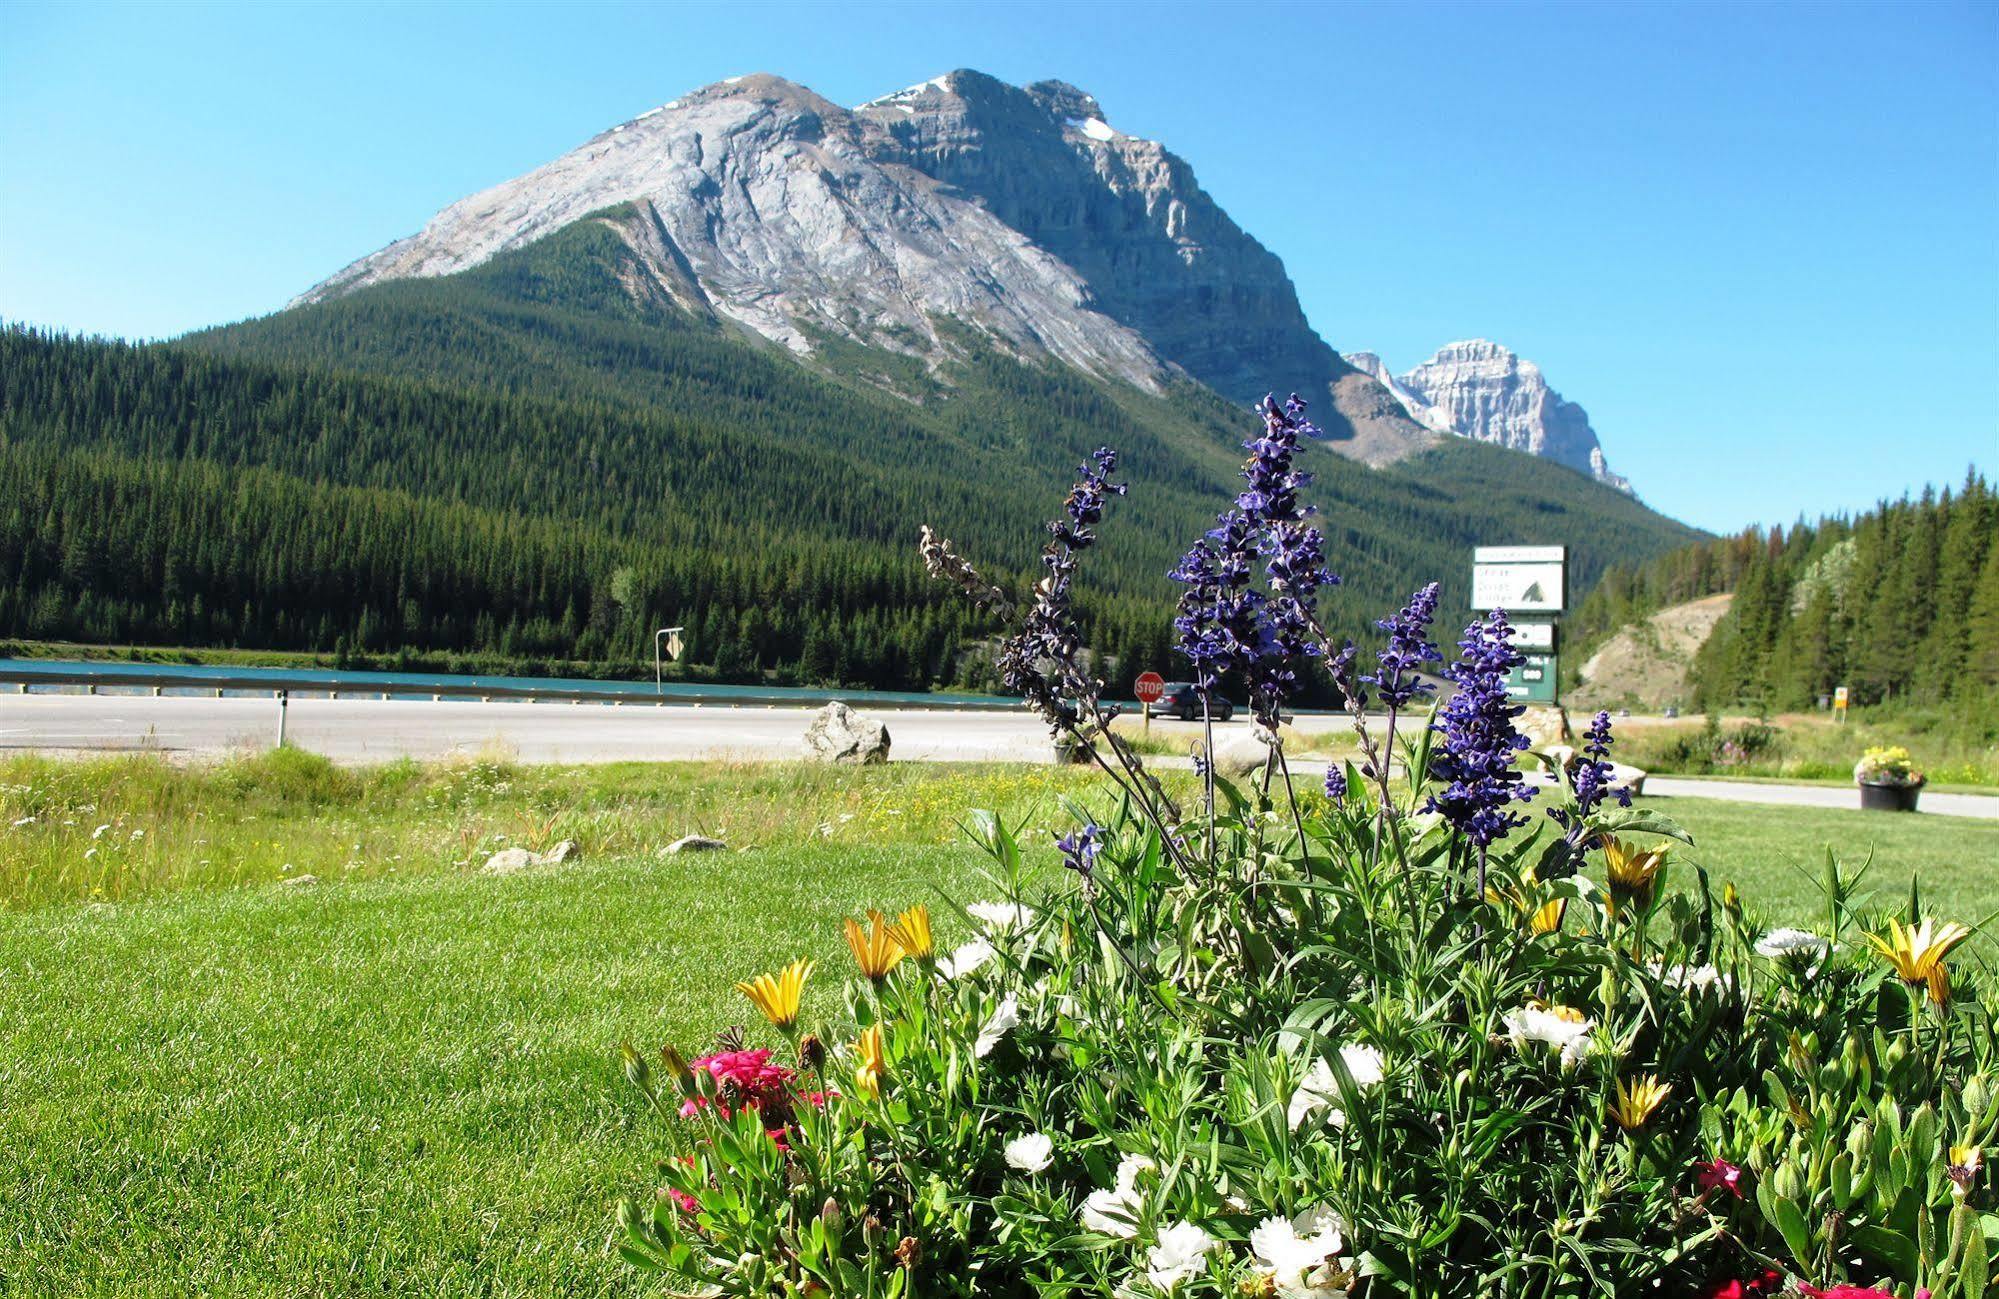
[(524, 464), (1899, 604)]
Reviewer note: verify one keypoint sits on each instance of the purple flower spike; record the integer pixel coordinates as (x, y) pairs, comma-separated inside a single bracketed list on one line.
[(1224, 623), (1479, 739), (1408, 649)]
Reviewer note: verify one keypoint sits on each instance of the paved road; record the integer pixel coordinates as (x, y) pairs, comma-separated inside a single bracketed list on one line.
[(356, 730)]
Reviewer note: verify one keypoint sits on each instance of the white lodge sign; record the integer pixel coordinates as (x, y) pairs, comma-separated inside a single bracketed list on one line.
[(1519, 579)]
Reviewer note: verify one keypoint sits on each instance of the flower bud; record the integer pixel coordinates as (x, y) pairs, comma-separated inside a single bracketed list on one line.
[(637, 1073), (677, 1068), (908, 1253), (829, 1213), (812, 1054)]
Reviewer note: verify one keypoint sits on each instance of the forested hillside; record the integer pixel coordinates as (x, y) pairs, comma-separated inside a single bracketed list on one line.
[(1900, 604), (529, 461)]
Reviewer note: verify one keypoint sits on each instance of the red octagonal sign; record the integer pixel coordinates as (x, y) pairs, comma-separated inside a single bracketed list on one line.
[(1148, 687)]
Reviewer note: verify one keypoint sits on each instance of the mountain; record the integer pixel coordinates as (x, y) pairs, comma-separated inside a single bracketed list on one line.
[(1480, 390), (961, 202), (716, 368)]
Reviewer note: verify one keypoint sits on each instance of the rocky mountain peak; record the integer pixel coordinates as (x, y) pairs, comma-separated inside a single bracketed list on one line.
[(1019, 213), (1480, 389)]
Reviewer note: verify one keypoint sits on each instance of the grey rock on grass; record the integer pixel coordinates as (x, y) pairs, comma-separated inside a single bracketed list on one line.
[(839, 734)]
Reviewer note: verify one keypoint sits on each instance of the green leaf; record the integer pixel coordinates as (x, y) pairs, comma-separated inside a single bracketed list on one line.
[(1790, 1221), (1974, 1269), (1638, 820)]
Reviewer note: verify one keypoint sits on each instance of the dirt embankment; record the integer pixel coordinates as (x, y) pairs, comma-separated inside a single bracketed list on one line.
[(1645, 666)]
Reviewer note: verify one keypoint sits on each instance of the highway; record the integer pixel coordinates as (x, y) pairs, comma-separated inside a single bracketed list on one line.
[(373, 730)]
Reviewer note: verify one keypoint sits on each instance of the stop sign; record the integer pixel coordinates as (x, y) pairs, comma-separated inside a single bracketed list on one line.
[(1148, 687)]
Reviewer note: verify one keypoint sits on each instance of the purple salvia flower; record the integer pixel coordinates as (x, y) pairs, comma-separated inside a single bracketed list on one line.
[(1079, 851), (1225, 624), (1408, 649), (1336, 783), (1039, 660), (1479, 740), (1593, 773)]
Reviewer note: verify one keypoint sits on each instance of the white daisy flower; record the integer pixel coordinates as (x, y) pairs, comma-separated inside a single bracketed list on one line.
[(966, 958), (1004, 1018), (1031, 1153), (1320, 1090), (1561, 1027), (1779, 944), (1001, 916), (1181, 1252), (1302, 1255)]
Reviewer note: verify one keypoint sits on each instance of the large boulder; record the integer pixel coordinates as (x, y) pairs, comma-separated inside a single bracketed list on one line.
[(1242, 754), (839, 734), (1543, 726)]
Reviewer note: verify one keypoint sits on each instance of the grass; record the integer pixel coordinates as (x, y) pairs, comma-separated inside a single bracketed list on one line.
[(114, 829), (405, 1080), (1957, 748)]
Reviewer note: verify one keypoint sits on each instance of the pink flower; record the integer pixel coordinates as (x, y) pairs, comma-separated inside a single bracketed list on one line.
[(1720, 1175)]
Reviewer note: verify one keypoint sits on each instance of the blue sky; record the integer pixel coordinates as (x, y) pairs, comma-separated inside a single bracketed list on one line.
[(1759, 242)]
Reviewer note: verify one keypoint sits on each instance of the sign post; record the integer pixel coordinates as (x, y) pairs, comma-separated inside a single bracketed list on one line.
[(1531, 584), (1149, 687), (665, 646), (1839, 698)]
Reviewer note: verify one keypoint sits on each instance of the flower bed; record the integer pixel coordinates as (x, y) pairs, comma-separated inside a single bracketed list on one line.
[(1339, 1040)]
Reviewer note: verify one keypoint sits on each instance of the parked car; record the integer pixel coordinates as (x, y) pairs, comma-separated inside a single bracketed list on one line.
[(1182, 699)]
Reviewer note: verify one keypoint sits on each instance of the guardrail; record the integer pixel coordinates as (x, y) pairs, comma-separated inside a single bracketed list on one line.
[(20, 675)]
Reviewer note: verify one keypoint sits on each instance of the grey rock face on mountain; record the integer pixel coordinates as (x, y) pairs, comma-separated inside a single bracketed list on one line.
[(960, 202), (1479, 389)]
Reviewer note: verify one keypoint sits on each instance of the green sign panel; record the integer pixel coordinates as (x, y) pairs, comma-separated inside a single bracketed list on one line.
[(1533, 682)]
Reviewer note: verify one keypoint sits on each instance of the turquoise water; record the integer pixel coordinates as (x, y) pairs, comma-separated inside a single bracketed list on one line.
[(51, 674)]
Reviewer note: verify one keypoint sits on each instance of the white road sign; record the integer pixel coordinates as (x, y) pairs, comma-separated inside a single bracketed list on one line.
[(1517, 587), (1533, 635)]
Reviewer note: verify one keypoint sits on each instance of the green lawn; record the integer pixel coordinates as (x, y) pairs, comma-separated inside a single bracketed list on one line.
[(409, 1084)]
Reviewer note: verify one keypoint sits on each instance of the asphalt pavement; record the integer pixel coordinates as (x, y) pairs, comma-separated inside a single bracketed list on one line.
[(369, 730)]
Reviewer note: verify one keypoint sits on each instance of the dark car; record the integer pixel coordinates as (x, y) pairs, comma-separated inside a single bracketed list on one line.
[(1182, 699)]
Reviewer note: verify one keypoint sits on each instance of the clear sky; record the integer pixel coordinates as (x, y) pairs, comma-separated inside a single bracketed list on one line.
[(1759, 242)]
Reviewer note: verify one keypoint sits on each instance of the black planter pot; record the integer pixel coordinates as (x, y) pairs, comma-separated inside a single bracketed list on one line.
[(1889, 798)]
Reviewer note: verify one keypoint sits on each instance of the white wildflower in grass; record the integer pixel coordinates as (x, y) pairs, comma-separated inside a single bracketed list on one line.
[(1689, 978), (1790, 944), (100, 831), (1320, 1090), (1182, 1251), (1561, 1027), (1000, 916), (1364, 1063), (1301, 1256), (1004, 1018), (1115, 1211), (1031, 1153), (965, 959)]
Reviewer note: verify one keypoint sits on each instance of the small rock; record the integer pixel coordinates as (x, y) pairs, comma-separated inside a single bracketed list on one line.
[(510, 861), (839, 734), (298, 881), (567, 850), (1630, 778), (696, 843)]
